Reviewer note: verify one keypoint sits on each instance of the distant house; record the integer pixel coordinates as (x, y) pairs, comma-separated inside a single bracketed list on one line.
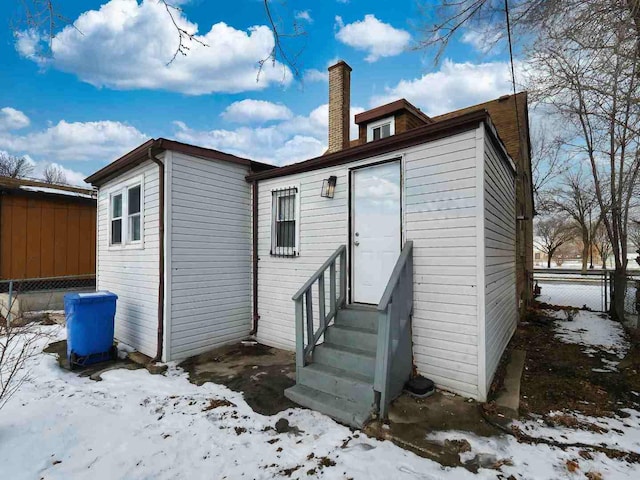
[(409, 246), (46, 230)]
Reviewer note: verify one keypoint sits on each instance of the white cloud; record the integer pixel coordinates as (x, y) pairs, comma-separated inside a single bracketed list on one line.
[(482, 41), (73, 176), (296, 139), (455, 85), (304, 15), (315, 75), (12, 119), (255, 111), (127, 45), (377, 38), (75, 141)]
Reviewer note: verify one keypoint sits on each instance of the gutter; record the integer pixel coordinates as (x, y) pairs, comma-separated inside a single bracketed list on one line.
[(152, 157), (415, 136), (254, 234)]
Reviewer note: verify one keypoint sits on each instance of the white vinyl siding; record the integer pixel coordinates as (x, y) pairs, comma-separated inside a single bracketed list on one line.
[(439, 215), (440, 205), (131, 272), (501, 310), (210, 259)]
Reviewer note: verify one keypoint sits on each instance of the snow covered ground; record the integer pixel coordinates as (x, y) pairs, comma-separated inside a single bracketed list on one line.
[(572, 294), (133, 425), (594, 331)]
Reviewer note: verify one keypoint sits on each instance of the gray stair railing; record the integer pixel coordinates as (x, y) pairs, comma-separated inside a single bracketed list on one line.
[(304, 304), (394, 357)]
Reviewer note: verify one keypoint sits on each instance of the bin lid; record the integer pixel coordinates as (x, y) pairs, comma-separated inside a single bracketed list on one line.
[(88, 297)]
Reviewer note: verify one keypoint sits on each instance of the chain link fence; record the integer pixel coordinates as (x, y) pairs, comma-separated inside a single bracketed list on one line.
[(22, 296), (572, 288), (632, 300), (592, 289)]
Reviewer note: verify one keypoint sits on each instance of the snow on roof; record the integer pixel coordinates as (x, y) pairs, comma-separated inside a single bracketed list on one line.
[(52, 189)]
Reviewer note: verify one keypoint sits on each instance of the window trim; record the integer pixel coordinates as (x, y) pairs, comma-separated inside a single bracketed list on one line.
[(285, 251), (112, 219), (123, 189), (379, 123), (139, 214)]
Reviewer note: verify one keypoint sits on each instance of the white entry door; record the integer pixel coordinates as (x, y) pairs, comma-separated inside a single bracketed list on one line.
[(375, 241)]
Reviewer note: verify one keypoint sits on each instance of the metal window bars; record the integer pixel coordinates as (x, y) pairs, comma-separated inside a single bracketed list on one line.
[(283, 226)]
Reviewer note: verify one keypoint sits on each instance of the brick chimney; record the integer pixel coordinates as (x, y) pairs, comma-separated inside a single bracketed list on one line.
[(339, 106)]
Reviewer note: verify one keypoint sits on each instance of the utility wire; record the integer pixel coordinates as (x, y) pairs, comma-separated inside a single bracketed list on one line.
[(513, 72)]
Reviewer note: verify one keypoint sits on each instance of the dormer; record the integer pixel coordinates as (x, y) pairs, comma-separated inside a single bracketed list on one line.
[(390, 119)]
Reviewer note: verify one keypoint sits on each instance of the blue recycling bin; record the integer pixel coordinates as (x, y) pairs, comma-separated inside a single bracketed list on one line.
[(90, 318)]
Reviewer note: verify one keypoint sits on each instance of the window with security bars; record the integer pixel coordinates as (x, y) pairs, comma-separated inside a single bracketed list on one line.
[(284, 237)]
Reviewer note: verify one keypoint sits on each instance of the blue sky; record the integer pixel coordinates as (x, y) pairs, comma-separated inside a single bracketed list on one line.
[(106, 87)]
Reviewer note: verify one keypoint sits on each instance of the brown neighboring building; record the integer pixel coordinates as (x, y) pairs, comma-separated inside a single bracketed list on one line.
[(46, 230)]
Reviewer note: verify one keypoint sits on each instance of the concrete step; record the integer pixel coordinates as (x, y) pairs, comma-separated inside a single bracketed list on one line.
[(360, 338), (350, 413), (358, 317), (335, 381), (347, 358)]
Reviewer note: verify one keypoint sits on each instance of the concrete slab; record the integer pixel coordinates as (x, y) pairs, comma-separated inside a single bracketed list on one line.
[(94, 371), (508, 399), (262, 373)]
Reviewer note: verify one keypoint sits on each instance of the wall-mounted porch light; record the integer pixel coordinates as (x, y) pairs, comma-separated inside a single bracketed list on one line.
[(328, 187)]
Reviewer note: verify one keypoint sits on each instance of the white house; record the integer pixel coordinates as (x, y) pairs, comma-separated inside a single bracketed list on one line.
[(408, 236), (174, 242)]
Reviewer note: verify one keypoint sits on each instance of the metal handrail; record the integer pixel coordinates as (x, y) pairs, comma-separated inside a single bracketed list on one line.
[(394, 358), (304, 305)]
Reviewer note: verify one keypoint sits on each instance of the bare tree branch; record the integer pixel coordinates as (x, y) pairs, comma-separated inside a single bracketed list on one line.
[(54, 174), (14, 167)]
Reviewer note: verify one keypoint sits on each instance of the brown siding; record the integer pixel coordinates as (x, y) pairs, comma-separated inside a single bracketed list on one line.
[(46, 237), (404, 120)]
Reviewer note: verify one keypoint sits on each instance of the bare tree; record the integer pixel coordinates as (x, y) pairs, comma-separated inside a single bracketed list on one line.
[(20, 340), (549, 160), (551, 233), (529, 19), (602, 244), (634, 235), (46, 16), (14, 167), (588, 73), (54, 174), (576, 197)]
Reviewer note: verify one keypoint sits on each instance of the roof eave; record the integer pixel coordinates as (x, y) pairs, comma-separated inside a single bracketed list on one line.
[(141, 153), (409, 138)]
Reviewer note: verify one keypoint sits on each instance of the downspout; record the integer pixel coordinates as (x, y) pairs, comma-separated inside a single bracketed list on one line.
[(254, 233), (158, 357)]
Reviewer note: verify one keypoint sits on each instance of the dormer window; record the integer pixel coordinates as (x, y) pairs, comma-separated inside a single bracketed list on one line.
[(382, 128)]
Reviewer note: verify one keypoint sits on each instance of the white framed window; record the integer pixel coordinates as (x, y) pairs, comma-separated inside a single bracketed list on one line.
[(285, 225), (116, 219), (134, 212), (126, 215), (382, 128)]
